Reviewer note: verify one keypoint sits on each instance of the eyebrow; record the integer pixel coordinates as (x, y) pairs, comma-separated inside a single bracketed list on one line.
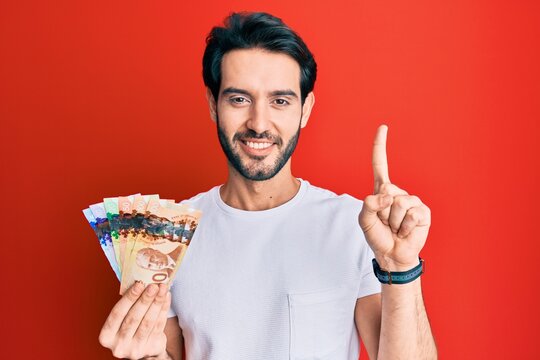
[(233, 90)]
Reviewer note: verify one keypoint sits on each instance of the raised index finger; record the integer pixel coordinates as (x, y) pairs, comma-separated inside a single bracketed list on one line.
[(379, 161)]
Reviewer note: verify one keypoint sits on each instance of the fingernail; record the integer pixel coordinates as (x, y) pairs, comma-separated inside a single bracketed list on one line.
[(138, 287), (151, 290), (162, 289)]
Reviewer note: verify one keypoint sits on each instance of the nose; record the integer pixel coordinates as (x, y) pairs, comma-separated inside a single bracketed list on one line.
[(259, 118)]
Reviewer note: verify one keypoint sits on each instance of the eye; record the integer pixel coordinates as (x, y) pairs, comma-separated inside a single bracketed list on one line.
[(281, 102), (238, 100)]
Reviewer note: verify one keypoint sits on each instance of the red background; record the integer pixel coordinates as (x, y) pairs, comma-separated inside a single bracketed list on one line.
[(106, 98)]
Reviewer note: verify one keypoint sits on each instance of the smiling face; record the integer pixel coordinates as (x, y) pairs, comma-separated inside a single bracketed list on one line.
[(259, 112)]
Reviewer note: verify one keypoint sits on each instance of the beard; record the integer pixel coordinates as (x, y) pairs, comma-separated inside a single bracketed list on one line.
[(257, 171)]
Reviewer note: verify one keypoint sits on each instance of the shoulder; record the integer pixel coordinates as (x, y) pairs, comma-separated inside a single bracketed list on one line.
[(202, 199), (326, 198)]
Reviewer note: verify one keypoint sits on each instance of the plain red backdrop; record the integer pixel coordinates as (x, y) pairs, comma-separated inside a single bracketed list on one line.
[(104, 98)]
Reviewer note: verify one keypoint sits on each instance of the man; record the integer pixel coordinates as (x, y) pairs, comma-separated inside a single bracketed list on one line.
[(264, 277)]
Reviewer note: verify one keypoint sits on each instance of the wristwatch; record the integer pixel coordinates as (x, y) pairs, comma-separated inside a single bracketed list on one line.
[(398, 277)]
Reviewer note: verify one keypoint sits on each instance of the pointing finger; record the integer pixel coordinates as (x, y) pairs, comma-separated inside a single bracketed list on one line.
[(379, 160)]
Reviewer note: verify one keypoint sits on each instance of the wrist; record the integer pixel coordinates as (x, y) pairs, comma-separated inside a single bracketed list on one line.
[(389, 264), (398, 277)]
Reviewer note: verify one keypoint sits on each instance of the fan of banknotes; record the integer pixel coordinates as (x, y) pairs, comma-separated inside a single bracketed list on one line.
[(143, 237)]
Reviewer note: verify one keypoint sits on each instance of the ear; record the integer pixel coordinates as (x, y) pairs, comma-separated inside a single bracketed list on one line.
[(306, 109), (212, 106)]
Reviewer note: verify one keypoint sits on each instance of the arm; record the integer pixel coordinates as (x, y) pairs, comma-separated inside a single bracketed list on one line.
[(405, 329), (396, 327), (396, 226), (367, 316), (175, 340)]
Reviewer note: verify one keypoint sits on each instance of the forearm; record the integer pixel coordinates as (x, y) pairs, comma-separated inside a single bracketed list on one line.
[(405, 329)]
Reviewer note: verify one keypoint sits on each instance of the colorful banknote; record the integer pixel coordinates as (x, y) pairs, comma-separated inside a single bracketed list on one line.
[(143, 237), (111, 209), (104, 235), (125, 225), (138, 209)]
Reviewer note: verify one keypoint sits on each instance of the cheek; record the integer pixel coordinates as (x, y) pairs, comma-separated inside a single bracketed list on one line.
[(231, 119), (288, 123)]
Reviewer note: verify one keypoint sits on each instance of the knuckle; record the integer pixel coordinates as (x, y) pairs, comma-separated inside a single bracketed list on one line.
[(400, 201), (405, 228), (135, 353), (149, 294), (105, 339), (130, 322), (132, 294), (405, 231), (391, 189), (159, 300), (370, 200), (124, 334), (385, 188), (119, 352), (414, 216), (146, 299), (145, 327)]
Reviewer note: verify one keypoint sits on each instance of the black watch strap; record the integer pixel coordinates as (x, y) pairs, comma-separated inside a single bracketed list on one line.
[(398, 277)]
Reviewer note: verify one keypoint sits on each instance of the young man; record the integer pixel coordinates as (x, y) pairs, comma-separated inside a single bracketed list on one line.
[(279, 268)]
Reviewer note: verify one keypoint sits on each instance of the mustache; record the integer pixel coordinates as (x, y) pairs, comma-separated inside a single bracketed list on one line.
[(254, 135)]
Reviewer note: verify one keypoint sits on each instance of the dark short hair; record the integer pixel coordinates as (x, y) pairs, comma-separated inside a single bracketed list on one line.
[(248, 30)]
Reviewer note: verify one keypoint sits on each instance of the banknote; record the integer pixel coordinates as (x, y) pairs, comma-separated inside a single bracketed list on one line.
[(184, 227), (138, 210), (104, 235), (156, 254), (143, 237), (126, 224), (111, 209)]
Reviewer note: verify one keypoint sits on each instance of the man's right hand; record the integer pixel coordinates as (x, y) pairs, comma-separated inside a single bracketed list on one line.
[(135, 326)]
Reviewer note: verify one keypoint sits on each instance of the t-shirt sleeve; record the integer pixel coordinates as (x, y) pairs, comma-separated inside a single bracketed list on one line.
[(171, 313), (369, 284)]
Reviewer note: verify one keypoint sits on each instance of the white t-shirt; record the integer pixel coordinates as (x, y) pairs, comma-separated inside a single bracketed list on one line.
[(274, 284)]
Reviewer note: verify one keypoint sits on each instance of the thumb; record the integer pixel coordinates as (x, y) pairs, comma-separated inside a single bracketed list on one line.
[(372, 205)]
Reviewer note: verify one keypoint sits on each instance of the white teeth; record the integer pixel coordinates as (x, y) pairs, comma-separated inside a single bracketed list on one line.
[(255, 145)]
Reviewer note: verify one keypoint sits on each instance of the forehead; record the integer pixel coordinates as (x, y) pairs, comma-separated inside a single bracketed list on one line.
[(259, 70)]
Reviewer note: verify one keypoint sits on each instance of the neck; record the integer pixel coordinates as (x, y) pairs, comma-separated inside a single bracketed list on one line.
[(241, 193)]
